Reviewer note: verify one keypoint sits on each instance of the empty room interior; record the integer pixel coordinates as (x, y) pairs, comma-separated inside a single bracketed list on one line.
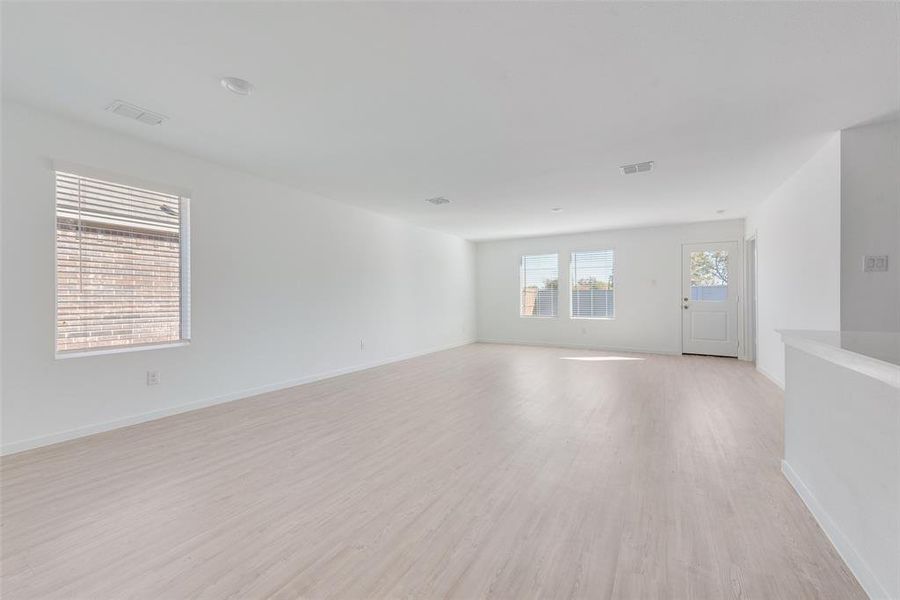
[(450, 300)]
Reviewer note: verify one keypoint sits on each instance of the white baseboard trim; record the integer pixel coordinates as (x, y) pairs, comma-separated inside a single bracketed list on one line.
[(581, 346), (770, 376), (857, 565), (79, 432)]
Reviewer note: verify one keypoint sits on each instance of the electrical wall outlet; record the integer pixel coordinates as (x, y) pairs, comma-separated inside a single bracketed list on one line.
[(152, 377), (873, 264)]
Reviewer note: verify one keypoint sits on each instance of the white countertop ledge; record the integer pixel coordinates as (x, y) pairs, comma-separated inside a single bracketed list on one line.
[(873, 353)]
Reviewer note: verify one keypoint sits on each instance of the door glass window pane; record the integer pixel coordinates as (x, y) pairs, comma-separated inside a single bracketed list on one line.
[(709, 276)]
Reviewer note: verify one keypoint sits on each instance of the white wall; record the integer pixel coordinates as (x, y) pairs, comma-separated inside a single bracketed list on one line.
[(648, 287), (842, 455), (284, 286), (798, 231), (870, 224)]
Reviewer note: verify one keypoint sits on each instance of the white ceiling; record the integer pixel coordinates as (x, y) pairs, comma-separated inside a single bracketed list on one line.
[(507, 109)]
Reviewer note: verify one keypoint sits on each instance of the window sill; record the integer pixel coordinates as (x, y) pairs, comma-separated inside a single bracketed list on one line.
[(593, 318), (119, 350)]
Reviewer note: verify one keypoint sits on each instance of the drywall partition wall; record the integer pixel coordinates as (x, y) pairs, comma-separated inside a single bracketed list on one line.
[(798, 253), (647, 287), (286, 287), (842, 451), (870, 225)]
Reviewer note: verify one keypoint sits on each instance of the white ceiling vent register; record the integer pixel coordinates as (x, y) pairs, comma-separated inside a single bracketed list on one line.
[(437, 201), (148, 117), (643, 167)]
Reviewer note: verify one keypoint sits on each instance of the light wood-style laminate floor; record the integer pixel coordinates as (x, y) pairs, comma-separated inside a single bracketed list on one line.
[(485, 471)]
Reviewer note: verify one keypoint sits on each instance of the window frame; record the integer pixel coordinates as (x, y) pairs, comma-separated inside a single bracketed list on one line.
[(572, 279), (521, 285), (185, 197)]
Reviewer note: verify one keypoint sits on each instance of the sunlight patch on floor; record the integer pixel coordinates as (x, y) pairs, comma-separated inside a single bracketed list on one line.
[(599, 358)]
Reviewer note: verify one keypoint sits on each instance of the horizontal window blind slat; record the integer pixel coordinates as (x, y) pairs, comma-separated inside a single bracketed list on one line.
[(84, 196), (151, 250), (87, 204), (80, 223), (95, 216), (73, 197), (92, 183), (112, 270), (105, 327)]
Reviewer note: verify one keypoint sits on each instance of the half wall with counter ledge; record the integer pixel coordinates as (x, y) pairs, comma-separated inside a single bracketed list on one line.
[(842, 445)]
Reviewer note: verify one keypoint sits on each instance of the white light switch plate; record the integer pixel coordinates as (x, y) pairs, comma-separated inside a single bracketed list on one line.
[(875, 264)]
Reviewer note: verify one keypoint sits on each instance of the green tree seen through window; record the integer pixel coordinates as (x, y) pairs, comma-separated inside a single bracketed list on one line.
[(709, 268)]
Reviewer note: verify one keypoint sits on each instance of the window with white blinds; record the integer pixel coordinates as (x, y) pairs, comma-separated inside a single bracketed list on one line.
[(122, 268), (539, 286), (593, 290)]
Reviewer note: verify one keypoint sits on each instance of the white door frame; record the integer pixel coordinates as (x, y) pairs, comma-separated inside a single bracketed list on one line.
[(749, 311), (739, 264)]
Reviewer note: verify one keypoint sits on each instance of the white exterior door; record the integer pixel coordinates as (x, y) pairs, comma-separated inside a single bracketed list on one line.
[(709, 298)]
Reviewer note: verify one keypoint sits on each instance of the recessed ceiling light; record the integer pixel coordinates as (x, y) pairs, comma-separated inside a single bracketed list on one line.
[(437, 201), (556, 210), (241, 87)]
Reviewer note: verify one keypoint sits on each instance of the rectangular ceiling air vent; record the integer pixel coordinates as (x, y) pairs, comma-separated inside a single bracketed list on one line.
[(643, 167), (125, 109), (438, 200)]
